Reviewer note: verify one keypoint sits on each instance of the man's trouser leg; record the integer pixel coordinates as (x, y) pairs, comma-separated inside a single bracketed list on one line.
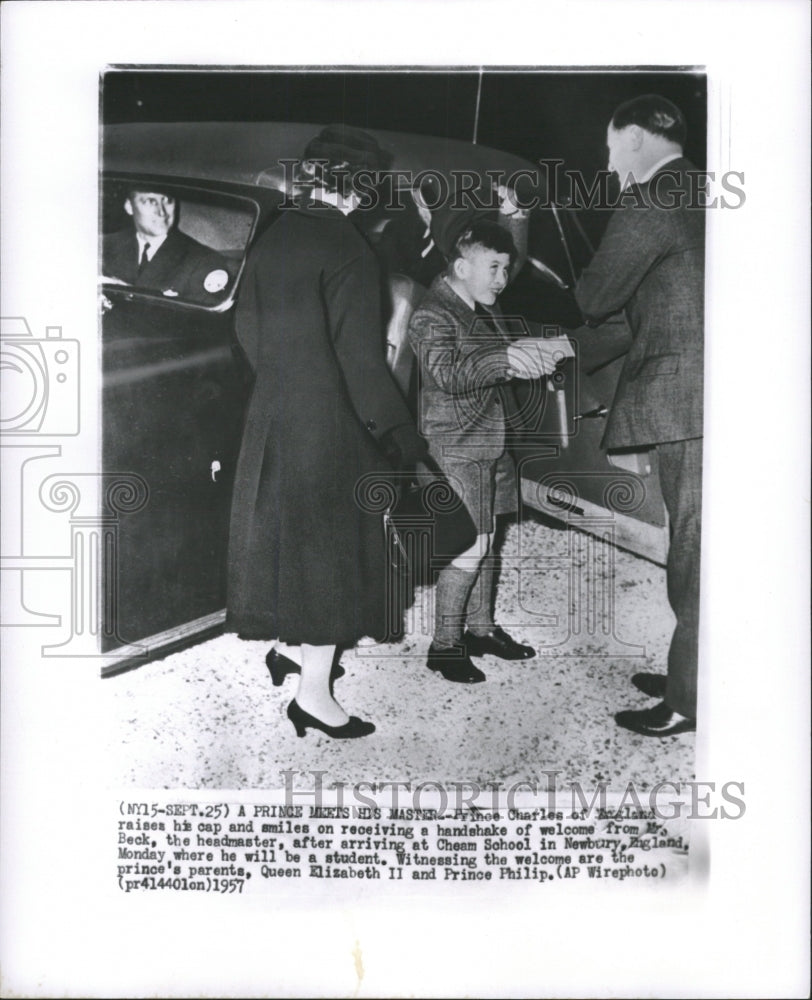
[(680, 465)]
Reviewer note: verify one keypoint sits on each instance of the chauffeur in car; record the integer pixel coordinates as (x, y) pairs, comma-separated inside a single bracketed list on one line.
[(153, 252)]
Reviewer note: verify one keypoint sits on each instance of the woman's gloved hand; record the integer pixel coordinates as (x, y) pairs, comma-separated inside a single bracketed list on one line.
[(403, 446)]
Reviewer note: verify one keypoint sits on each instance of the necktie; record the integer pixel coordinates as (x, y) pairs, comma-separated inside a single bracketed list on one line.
[(144, 259)]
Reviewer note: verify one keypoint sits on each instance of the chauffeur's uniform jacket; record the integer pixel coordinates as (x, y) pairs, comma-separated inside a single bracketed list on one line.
[(651, 261), (307, 558), (180, 265)]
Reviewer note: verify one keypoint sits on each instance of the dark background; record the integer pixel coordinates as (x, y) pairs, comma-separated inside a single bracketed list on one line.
[(550, 114)]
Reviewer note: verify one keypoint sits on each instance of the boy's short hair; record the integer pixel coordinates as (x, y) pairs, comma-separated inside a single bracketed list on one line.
[(487, 235)]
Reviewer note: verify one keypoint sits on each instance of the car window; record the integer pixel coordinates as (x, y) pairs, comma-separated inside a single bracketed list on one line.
[(176, 241), (558, 251), (557, 244), (579, 246)]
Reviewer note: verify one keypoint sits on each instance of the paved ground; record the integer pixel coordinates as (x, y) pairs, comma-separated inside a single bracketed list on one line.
[(209, 717)]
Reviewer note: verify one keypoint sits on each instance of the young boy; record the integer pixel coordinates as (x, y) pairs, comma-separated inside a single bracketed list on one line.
[(466, 364)]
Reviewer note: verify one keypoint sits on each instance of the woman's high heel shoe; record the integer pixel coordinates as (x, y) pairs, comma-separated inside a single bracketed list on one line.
[(280, 666), (302, 721)]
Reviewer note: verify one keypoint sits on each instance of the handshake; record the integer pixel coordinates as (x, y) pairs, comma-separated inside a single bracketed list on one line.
[(535, 357)]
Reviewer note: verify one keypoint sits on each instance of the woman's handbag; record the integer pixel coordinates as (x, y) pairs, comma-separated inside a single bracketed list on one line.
[(426, 523), (426, 526)]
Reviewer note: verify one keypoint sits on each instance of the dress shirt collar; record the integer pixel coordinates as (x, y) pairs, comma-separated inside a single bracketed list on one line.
[(153, 242), (658, 166)]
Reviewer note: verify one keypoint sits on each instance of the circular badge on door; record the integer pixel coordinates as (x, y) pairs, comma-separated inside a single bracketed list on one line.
[(215, 281)]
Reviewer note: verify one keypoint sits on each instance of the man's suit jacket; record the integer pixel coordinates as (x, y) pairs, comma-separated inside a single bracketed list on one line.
[(180, 265), (463, 363), (651, 262)]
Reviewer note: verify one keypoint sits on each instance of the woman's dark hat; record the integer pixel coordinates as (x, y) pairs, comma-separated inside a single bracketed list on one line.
[(344, 144)]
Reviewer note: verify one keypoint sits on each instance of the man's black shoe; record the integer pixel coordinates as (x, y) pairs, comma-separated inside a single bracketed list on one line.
[(454, 665), (498, 643), (651, 684), (657, 721)]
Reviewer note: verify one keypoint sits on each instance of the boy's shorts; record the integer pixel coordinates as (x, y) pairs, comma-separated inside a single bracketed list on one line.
[(487, 485)]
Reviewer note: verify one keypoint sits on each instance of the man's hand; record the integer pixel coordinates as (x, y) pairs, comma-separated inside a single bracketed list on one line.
[(531, 358)]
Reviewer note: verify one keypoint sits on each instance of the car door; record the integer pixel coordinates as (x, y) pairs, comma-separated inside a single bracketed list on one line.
[(174, 391), (565, 472)]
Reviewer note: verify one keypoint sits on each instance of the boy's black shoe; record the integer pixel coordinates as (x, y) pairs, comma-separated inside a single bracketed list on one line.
[(498, 643), (454, 665)]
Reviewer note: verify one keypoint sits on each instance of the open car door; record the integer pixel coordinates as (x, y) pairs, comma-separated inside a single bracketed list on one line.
[(565, 474), (174, 390)]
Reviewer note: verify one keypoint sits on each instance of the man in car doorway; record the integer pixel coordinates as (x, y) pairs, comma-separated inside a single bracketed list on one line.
[(650, 263), (153, 253)]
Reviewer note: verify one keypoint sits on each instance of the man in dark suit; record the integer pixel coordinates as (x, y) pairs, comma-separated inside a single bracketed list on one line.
[(155, 254), (651, 263)]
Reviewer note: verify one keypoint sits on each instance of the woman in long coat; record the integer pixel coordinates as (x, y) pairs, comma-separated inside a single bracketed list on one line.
[(307, 565)]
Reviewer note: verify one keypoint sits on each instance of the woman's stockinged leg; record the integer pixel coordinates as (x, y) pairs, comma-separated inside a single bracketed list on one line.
[(314, 694), (293, 653)]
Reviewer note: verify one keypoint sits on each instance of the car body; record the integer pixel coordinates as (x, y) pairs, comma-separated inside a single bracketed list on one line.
[(175, 386)]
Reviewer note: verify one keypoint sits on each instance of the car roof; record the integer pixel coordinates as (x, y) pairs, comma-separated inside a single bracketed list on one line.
[(242, 152)]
